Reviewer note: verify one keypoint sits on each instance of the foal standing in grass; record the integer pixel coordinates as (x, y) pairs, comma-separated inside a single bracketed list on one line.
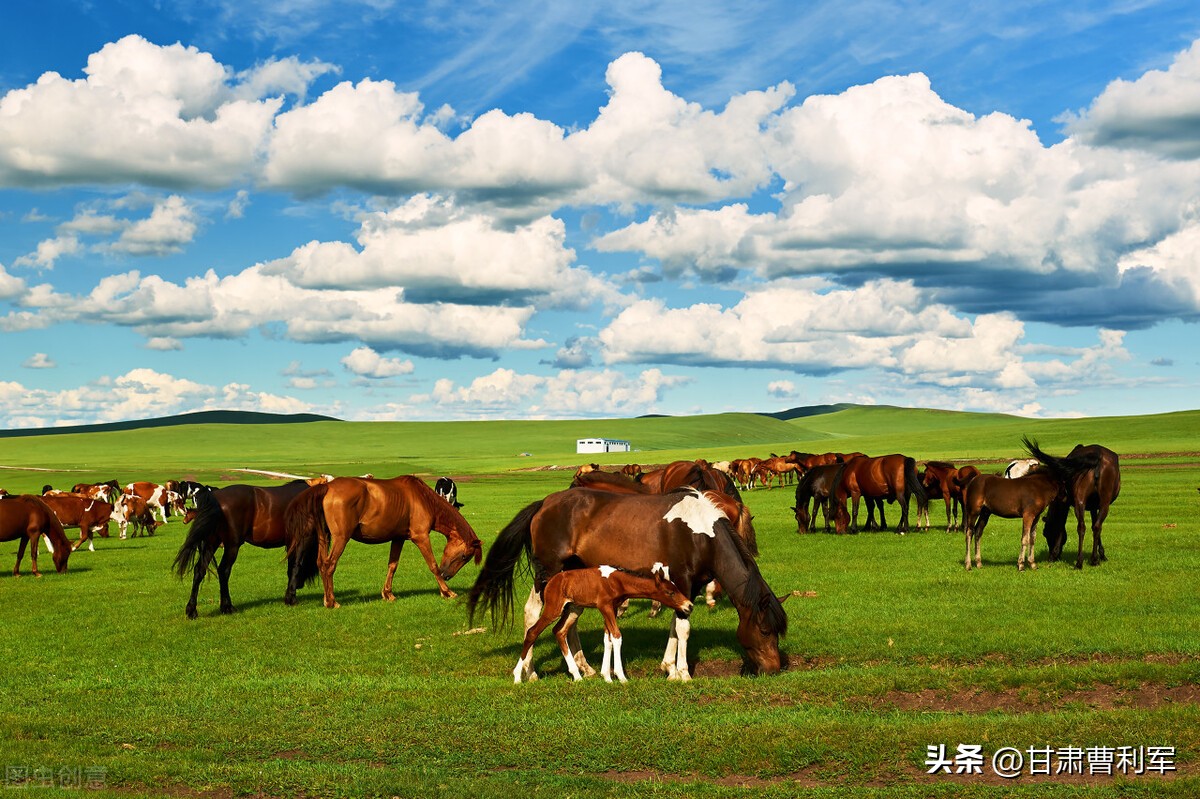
[(603, 588)]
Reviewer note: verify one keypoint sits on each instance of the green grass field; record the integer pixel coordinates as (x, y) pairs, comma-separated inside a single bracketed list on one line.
[(894, 647)]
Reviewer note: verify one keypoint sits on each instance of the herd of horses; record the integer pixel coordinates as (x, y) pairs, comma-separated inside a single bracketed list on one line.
[(667, 534)]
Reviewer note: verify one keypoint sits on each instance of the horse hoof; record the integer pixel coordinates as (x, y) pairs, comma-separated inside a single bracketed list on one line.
[(448, 594), (190, 612), (227, 609), (389, 597), (289, 600)]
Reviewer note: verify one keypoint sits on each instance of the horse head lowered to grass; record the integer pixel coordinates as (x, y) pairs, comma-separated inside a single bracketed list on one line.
[(684, 530)]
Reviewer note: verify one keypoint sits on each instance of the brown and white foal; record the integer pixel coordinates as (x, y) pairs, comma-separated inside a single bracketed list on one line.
[(605, 588)]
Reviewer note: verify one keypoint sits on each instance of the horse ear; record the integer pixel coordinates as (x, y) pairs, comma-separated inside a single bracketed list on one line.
[(784, 598)]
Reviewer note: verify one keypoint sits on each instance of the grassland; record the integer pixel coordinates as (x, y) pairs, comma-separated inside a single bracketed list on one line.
[(893, 646)]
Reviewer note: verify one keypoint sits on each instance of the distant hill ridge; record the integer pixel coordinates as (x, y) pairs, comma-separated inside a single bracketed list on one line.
[(198, 417), (253, 417)]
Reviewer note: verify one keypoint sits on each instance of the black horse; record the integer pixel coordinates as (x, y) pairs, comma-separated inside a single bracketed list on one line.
[(229, 517), (1093, 490)]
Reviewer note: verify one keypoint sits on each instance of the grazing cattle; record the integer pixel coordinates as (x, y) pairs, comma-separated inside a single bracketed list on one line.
[(447, 490), (231, 516), (330, 515), (134, 515), (816, 487), (76, 510), (187, 490), (888, 477), (108, 491), (605, 589), (684, 530), (159, 498), (1094, 491), (28, 518)]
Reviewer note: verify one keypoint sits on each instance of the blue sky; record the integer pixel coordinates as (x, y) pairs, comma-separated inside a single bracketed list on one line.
[(399, 210)]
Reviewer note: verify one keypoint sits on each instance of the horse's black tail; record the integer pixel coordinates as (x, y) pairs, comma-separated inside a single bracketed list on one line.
[(304, 521), (1065, 469), (494, 586), (912, 483), (209, 517)]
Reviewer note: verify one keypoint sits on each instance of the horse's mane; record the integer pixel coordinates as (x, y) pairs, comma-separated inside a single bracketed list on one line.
[(752, 592), (445, 516), (939, 464)]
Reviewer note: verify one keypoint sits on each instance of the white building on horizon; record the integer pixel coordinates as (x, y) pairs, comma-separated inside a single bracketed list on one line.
[(593, 445)]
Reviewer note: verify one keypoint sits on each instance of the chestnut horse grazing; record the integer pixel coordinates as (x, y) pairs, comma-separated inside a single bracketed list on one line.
[(887, 477), (685, 530), (404, 508), (229, 517), (605, 589), (1022, 498), (1094, 491), (28, 518)]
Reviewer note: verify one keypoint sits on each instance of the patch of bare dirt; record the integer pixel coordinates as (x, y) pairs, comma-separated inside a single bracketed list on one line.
[(1147, 696)]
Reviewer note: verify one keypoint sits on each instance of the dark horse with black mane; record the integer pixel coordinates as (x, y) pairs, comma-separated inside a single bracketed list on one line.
[(229, 517), (1094, 490), (684, 530)]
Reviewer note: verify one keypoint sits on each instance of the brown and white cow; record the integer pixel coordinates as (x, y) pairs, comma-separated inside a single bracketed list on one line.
[(131, 511), (159, 498), (75, 510)]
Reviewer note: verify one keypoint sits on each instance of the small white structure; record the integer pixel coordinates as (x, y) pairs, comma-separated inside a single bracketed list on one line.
[(601, 445)]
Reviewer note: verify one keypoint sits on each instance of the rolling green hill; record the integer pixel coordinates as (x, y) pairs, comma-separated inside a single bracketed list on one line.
[(211, 452)]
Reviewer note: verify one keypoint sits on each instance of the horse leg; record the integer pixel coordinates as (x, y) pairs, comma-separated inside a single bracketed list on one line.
[(327, 559), (679, 670), (203, 559), (1081, 528), (20, 554), (393, 559), (524, 667), (562, 631), (1098, 517), (854, 515), (421, 539), (224, 568), (580, 657)]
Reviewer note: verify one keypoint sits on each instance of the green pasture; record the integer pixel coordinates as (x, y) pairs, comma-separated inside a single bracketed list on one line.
[(894, 647)]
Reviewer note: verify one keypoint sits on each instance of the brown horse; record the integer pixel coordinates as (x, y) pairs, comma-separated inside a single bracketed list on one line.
[(683, 530), (373, 511), (1094, 491), (1021, 497), (605, 589), (87, 514), (672, 477), (679, 474), (887, 477), (229, 517), (815, 488), (945, 481), (29, 518)]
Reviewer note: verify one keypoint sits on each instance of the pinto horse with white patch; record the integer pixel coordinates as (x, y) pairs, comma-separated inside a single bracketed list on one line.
[(685, 530), (605, 588)]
